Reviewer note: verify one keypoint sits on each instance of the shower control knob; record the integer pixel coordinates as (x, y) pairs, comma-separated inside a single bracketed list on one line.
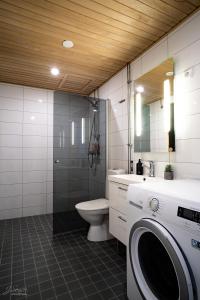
[(154, 204), (57, 161)]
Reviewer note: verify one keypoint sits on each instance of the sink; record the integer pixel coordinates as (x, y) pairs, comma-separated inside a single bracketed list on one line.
[(132, 178)]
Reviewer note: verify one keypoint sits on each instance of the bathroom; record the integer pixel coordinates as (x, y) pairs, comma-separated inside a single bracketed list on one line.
[(71, 135)]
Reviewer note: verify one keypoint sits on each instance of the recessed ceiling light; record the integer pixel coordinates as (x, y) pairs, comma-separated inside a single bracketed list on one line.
[(140, 89), (55, 71), (68, 44), (170, 73)]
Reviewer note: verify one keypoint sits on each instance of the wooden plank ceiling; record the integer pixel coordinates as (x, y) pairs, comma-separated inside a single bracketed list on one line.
[(107, 34)]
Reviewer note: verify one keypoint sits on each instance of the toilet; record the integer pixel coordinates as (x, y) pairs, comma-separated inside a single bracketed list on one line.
[(95, 212)]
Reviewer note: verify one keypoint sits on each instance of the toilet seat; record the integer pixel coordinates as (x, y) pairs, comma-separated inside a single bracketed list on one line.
[(92, 205)]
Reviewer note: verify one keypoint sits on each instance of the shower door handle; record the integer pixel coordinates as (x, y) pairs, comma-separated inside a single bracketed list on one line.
[(123, 189), (57, 161), (122, 219)]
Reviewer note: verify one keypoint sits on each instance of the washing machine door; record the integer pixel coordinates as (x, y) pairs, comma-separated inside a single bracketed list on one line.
[(158, 265)]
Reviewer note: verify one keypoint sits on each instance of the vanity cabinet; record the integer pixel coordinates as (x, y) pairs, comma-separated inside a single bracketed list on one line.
[(118, 203), (118, 211)]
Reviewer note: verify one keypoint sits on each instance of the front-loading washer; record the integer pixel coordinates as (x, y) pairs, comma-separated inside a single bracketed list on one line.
[(163, 255)]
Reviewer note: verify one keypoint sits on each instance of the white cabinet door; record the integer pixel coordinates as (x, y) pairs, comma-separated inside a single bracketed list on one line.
[(118, 225), (118, 196)]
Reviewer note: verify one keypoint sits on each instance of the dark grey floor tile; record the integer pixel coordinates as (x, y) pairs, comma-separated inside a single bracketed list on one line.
[(65, 266)]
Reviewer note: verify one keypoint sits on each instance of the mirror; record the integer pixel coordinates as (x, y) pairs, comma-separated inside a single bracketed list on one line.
[(153, 108)]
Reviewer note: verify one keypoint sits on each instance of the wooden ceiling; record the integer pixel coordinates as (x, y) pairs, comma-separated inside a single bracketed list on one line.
[(107, 34)]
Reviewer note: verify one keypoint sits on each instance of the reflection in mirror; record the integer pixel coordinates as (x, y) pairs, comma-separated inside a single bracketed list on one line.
[(154, 110)]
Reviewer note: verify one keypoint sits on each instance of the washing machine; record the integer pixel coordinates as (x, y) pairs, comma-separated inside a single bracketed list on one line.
[(163, 255)]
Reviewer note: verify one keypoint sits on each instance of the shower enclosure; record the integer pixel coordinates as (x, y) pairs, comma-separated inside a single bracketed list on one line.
[(79, 154)]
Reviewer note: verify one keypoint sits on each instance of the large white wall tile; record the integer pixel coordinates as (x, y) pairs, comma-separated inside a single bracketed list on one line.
[(34, 129), (10, 128), (11, 104), (10, 177), (35, 200), (10, 140), (34, 165), (184, 35), (186, 103), (188, 150), (34, 210), (187, 170), (9, 190), (35, 94), (184, 84), (34, 153), (34, 176), (34, 141), (11, 116), (35, 118), (189, 127), (10, 153), (34, 188), (11, 91), (11, 202), (33, 106), (187, 57), (10, 165)]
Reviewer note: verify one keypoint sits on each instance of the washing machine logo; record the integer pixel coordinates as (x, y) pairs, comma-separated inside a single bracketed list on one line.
[(195, 244)]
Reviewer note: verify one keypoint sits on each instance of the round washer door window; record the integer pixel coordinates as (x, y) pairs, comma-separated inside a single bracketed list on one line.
[(157, 262)]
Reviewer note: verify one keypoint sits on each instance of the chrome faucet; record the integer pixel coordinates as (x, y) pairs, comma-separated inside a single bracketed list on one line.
[(151, 169)]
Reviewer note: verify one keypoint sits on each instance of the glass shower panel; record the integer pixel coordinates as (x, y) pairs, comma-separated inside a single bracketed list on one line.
[(78, 176), (97, 171), (71, 173)]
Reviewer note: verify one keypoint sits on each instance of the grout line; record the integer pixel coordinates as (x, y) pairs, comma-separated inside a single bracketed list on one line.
[(11, 269), (22, 157)]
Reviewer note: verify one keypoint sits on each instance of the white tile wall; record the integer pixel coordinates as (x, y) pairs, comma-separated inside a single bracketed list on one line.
[(25, 151), (115, 90), (183, 45)]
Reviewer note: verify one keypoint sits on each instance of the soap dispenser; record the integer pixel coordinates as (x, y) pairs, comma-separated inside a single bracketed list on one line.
[(139, 167)]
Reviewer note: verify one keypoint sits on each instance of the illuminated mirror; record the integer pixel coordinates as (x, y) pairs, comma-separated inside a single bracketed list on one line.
[(152, 109)]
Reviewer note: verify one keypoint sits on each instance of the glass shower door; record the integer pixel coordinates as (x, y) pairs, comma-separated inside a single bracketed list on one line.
[(71, 171), (79, 169)]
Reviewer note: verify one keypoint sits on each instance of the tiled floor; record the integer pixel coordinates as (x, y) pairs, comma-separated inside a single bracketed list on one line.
[(69, 267)]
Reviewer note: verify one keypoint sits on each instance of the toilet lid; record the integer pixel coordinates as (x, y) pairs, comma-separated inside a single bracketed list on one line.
[(93, 204)]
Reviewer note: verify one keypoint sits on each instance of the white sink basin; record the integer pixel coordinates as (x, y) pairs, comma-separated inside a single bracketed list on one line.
[(132, 178)]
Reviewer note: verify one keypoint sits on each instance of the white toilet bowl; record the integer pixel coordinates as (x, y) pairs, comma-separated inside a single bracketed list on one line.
[(95, 212)]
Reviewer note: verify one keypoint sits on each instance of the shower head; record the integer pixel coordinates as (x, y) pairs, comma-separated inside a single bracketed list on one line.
[(93, 102), (94, 107)]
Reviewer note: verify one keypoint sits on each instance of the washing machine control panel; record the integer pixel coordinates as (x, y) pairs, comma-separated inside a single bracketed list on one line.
[(189, 214), (154, 204)]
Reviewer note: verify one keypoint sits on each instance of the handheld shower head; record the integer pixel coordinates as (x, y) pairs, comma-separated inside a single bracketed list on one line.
[(94, 103), (95, 108)]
